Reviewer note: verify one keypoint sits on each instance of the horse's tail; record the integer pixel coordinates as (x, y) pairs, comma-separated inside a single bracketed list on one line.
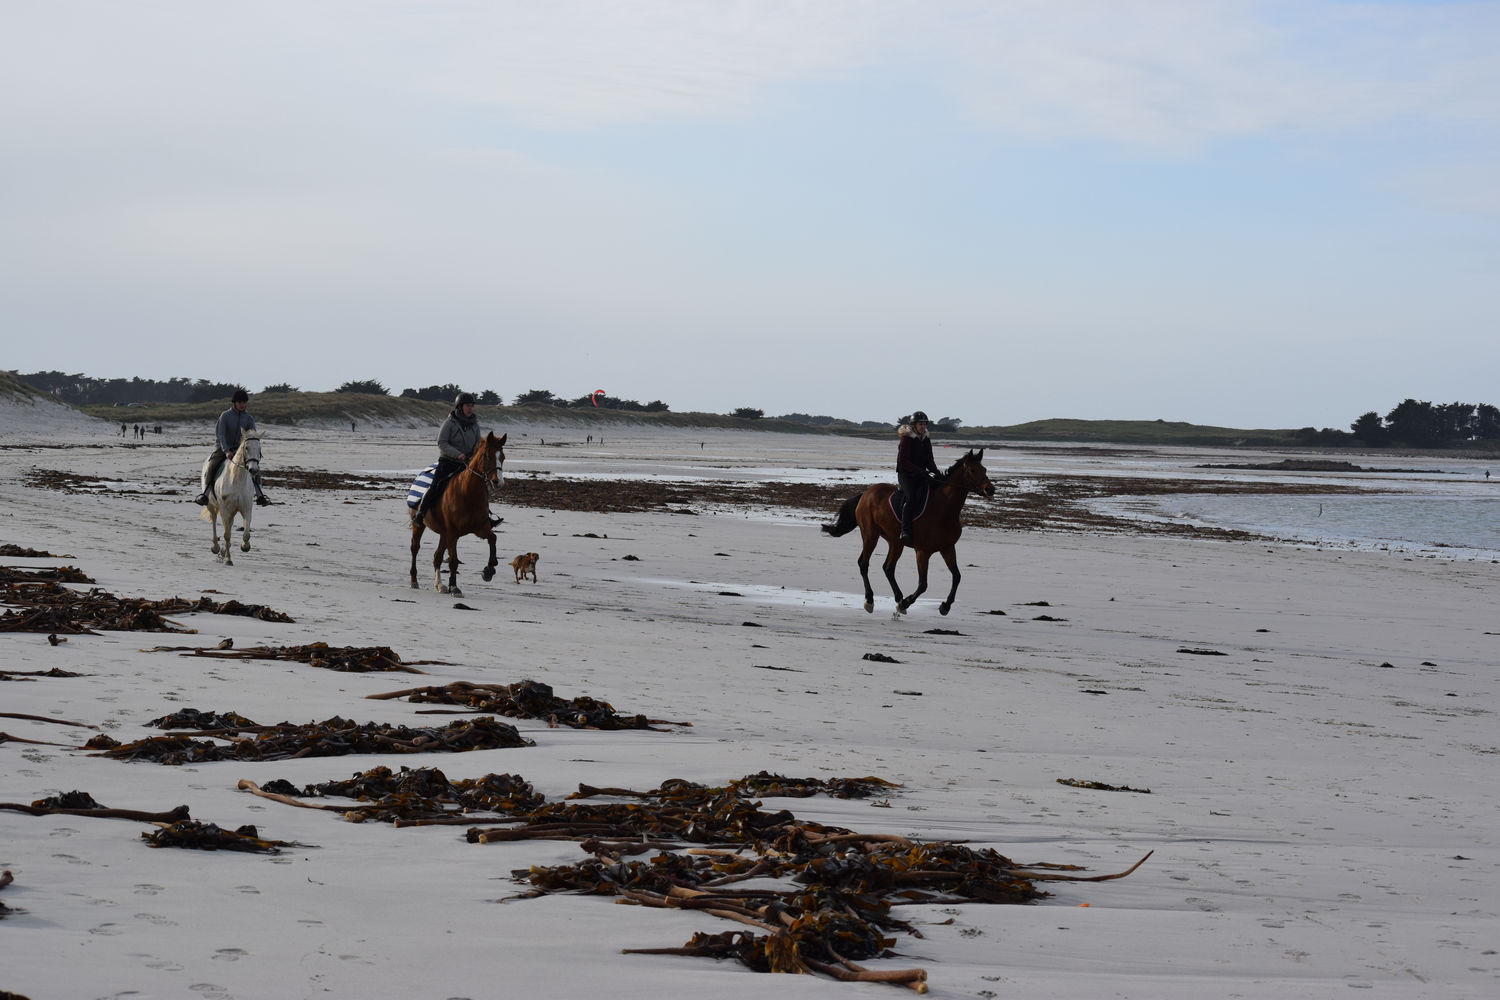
[(846, 521), (205, 514)]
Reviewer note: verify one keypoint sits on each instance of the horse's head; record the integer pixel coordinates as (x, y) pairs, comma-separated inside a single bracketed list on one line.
[(968, 473), (248, 453), (492, 455)]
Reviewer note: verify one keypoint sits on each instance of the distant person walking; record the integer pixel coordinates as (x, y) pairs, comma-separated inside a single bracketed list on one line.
[(232, 425), (915, 469)]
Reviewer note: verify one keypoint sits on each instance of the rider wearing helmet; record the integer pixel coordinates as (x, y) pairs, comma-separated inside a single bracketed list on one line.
[(916, 472), (233, 423), (457, 439)]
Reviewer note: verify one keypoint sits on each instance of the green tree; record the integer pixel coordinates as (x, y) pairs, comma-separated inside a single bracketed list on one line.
[(280, 387), (1486, 422), (536, 397), (749, 413), (1370, 429), (1414, 423), (369, 387), (489, 397)]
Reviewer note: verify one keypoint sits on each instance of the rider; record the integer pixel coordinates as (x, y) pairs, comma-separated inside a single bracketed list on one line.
[(233, 422), (915, 469), (457, 439)]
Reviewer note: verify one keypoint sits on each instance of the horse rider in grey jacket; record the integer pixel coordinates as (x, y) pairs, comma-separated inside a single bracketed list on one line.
[(233, 423), (457, 439)]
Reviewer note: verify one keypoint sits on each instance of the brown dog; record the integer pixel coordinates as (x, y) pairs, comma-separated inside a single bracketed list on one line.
[(523, 564)]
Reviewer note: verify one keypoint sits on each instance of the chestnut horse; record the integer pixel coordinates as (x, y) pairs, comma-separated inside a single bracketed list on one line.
[(936, 530), (463, 509)]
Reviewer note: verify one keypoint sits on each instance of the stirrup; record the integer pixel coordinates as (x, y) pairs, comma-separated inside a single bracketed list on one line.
[(201, 499), (262, 501)]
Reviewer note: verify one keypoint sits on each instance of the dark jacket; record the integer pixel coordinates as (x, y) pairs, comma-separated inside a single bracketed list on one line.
[(458, 437), (914, 455)]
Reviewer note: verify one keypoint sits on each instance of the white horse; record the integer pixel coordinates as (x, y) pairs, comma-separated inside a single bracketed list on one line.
[(233, 492)]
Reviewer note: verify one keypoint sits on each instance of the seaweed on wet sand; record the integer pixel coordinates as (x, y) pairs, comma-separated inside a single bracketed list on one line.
[(348, 659), (47, 606), (199, 836), (528, 700), (833, 906), (329, 738)]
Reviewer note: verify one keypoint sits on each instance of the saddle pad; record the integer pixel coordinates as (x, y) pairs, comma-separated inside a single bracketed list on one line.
[(898, 501), (420, 486)]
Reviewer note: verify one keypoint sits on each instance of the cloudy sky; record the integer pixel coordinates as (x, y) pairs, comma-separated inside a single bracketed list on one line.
[(1244, 213)]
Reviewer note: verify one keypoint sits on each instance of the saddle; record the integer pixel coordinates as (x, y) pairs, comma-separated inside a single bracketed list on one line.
[(898, 503)]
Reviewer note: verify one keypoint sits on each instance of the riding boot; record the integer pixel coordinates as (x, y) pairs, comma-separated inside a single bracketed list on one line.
[(906, 513), (260, 498)]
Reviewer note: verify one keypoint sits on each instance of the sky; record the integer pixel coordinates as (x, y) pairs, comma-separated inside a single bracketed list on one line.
[(1239, 213)]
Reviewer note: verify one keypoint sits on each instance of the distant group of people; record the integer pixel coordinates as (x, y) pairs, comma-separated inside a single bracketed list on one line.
[(139, 431)]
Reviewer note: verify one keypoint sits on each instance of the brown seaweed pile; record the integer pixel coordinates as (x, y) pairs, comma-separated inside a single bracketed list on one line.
[(832, 908), (199, 836), (330, 738), (26, 574), (43, 605), (350, 659), (12, 551), (529, 700), (411, 797)]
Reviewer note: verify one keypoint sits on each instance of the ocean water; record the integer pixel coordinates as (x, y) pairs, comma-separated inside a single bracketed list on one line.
[(1455, 524)]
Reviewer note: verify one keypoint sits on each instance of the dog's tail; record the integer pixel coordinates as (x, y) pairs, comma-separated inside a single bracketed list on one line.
[(845, 522)]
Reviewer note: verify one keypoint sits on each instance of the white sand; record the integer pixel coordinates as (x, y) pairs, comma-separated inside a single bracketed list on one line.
[(1323, 797)]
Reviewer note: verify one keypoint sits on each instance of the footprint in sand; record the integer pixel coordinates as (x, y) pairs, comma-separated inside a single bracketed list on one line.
[(230, 954), (211, 991), (248, 890), (104, 930), (157, 919), (147, 889), (164, 964)]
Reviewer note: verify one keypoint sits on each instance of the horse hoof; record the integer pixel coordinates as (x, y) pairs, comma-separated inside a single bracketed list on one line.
[(488, 574), (943, 609), (454, 591), (245, 547), (870, 607), (414, 585)]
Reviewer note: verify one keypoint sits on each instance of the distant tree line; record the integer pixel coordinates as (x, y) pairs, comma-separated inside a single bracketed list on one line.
[(1420, 424), (83, 390), (544, 397)]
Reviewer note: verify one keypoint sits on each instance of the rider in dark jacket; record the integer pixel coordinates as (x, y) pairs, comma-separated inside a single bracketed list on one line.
[(916, 472)]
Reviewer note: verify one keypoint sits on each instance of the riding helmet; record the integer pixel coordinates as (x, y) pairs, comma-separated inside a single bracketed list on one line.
[(463, 397), (919, 416), (240, 396)]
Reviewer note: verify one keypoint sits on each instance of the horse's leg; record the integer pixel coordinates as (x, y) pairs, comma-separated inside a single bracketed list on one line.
[(453, 568), (950, 556), (437, 566), (922, 557), (213, 527), (892, 556), (245, 530), (228, 517), (416, 544), (867, 545), (488, 573)]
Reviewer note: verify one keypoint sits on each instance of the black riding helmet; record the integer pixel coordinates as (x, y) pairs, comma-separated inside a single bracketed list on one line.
[(919, 416), (463, 397)]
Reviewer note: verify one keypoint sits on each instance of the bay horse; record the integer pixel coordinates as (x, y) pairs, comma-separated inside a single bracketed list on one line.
[(233, 492), (463, 509), (936, 530)]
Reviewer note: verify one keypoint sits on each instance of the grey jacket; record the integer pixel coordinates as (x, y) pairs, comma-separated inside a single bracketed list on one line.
[(458, 438), (231, 426)]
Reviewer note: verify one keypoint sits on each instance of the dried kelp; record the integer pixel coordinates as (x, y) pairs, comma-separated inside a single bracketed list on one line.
[(76, 803), (192, 718), (350, 659), (1100, 786), (199, 836), (529, 700), (48, 606), (12, 551), (833, 908), (330, 738), (411, 797), (60, 574), (28, 675)]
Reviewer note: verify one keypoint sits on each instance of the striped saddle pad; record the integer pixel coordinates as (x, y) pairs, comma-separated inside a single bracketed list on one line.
[(420, 486)]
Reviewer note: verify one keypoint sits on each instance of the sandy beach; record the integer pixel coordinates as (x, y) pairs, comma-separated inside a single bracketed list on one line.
[(1315, 728)]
